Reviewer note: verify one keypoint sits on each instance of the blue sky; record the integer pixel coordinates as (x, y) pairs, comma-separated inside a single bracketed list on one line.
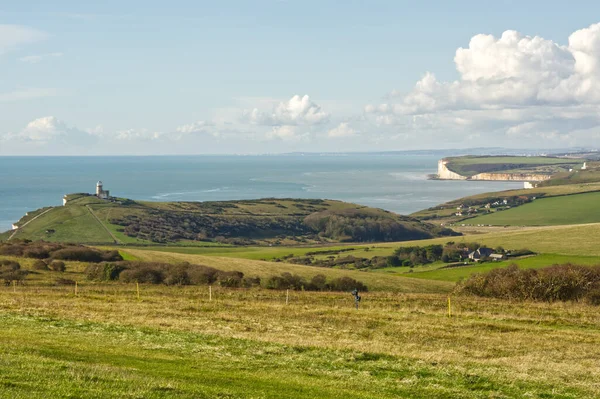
[(180, 77)]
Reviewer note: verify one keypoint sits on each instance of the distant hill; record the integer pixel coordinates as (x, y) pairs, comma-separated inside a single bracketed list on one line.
[(519, 168), (87, 219)]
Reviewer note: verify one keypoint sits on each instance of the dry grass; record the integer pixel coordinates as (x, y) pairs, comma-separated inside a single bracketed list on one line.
[(536, 350)]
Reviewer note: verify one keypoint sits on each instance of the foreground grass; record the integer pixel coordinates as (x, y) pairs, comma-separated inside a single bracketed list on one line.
[(104, 343)]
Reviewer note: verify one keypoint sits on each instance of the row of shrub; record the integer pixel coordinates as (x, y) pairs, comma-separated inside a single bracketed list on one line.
[(190, 274), (56, 251), (11, 271), (555, 283)]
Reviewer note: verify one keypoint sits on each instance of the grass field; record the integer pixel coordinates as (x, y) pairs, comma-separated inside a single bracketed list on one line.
[(457, 273), (103, 343), (572, 240), (572, 209), (472, 165), (71, 224)]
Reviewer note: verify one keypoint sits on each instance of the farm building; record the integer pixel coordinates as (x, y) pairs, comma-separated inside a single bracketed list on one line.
[(481, 253)]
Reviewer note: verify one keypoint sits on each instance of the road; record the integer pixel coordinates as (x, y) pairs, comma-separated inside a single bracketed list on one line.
[(102, 224)]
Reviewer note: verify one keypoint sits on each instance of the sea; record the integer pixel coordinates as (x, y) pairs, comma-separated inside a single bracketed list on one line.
[(395, 182)]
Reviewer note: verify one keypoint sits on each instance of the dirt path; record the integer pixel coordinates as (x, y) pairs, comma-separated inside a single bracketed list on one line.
[(102, 224), (26, 223)]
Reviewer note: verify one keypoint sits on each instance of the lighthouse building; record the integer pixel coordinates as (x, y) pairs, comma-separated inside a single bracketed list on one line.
[(100, 192)]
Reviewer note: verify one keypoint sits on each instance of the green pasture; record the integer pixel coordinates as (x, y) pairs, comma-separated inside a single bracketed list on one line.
[(572, 209), (70, 223), (457, 273), (466, 165)]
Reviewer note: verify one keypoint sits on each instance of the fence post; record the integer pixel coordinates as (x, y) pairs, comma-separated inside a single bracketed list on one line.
[(14, 286), (137, 288), (287, 297), (210, 292), (449, 308), (75, 288)]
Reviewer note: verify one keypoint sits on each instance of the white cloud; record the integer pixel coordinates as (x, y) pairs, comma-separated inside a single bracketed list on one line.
[(342, 130), (49, 129), (282, 133), (137, 135), (34, 59), (296, 111), (12, 36), (505, 84)]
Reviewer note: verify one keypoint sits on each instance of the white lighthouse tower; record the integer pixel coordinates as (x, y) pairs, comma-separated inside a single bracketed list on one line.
[(100, 192)]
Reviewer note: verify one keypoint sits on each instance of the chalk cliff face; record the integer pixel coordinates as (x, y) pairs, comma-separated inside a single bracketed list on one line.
[(510, 177), (447, 174)]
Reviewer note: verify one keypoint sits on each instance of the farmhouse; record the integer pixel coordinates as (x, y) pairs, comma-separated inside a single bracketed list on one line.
[(481, 253)]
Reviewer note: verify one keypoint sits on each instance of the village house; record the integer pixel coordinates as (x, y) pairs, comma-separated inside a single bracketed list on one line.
[(480, 254)]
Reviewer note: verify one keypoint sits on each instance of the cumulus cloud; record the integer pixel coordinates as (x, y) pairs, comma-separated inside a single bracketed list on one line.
[(506, 83), (137, 135), (49, 129), (296, 111), (12, 36), (342, 130), (34, 59)]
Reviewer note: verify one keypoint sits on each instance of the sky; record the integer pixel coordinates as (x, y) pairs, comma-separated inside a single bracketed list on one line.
[(274, 76)]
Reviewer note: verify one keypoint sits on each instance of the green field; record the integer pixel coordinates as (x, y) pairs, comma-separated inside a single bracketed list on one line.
[(472, 165), (534, 262), (175, 343), (572, 209)]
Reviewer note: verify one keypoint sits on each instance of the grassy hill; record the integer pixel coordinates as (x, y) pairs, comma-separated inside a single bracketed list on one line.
[(571, 209), (87, 219), (472, 165), (446, 212)]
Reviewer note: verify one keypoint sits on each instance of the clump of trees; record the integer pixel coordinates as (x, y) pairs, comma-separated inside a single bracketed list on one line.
[(368, 225), (316, 283), (168, 274), (190, 274), (555, 283), (10, 271), (56, 251)]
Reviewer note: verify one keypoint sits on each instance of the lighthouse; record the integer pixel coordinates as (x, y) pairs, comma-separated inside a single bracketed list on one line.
[(100, 192)]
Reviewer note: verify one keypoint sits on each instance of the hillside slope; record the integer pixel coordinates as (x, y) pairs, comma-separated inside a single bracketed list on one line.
[(87, 219)]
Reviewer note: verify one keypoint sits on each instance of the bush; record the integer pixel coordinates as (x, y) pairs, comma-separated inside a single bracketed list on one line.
[(142, 274), (346, 284), (249, 282), (36, 252), (9, 265), (84, 254), (555, 283), (40, 265), (104, 271), (317, 283), (57, 266)]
